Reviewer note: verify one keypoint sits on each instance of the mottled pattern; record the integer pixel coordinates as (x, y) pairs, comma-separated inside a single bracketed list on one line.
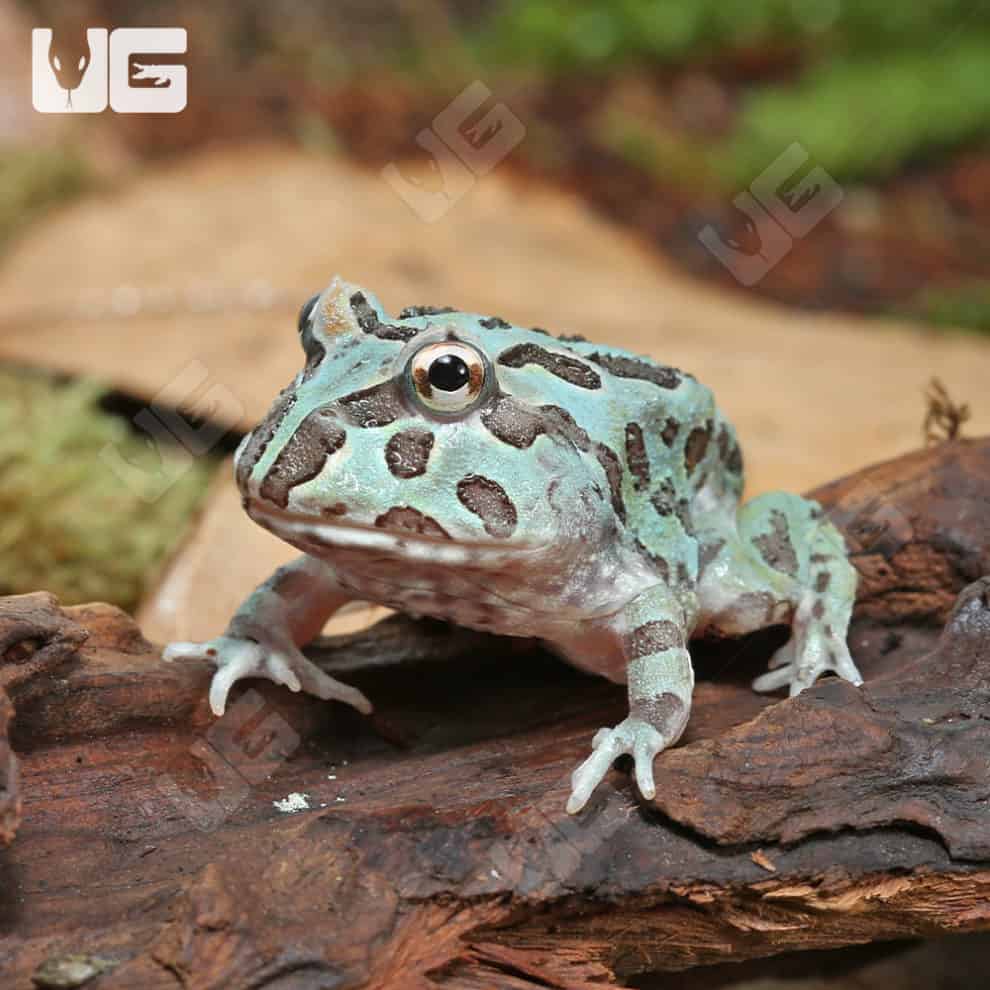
[(489, 502), (613, 531), (612, 467), (636, 457), (728, 451), (411, 311), (629, 367), (724, 444), (369, 322), (707, 552), (408, 452), (666, 712), (519, 424), (302, 458), (696, 446), (407, 519), (776, 548), (669, 432), (666, 501), (651, 638), (261, 436), (378, 405), (512, 422), (491, 322), (566, 368), (658, 563)]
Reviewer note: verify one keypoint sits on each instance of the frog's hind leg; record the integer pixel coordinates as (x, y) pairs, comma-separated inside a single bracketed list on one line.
[(783, 561)]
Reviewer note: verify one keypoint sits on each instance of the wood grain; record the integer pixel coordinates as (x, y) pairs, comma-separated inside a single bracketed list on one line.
[(435, 852)]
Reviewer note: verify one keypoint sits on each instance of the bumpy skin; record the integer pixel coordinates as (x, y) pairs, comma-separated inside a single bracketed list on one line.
[(582, 495)]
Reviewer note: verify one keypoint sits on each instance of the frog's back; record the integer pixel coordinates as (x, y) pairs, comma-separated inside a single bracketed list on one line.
[(678, 457), (667, 455)]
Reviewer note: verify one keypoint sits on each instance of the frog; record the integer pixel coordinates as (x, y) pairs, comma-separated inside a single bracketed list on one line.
[(453, 465)]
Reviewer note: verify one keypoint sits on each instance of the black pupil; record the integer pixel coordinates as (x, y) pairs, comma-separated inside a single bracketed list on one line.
[(449, 373)]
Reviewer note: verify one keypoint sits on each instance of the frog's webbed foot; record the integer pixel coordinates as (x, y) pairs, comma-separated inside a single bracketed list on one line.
[(634, 736), (813, 649), (239, 657)]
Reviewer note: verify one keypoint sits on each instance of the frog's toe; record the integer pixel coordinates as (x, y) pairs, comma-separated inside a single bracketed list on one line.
[(589, 774), (234, 659), (600, 736), (824, 654), (238, 658), (782, 670), (315, 681), (821, 654), (840, 660), (633, 736), (773, 680), (647, 744)]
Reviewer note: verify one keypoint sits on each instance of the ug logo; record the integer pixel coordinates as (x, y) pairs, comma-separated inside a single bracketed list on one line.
[(115, 68)]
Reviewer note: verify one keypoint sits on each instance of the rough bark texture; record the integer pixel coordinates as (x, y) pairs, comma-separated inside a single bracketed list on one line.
[(35, 639), (10, 805), (435, 851)]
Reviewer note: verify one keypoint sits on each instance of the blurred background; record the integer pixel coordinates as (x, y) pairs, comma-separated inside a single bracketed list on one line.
[(789, 198)]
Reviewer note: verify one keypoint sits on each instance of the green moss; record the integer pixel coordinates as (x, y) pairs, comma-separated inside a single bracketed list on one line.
[(68, 522), (577, 35), (863, 119), (883, 84), (32, 180)]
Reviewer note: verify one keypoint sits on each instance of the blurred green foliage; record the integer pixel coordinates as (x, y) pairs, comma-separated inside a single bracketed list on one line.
[(965, 305), (578, 35), (880, 83), (864, 119), (68, 523), (33, 179)]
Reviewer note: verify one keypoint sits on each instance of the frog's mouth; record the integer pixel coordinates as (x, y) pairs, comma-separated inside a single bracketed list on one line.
[(313, 533)]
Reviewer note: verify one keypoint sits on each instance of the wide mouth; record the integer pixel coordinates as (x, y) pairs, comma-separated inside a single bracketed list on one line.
[(376, 541)]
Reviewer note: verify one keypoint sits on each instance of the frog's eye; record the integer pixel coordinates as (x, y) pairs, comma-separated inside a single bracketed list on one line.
[(448, 376), (306, 313)]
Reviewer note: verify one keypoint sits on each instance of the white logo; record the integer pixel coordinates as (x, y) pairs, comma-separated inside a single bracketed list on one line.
[(777, 217), (462, 147), (84, 76)]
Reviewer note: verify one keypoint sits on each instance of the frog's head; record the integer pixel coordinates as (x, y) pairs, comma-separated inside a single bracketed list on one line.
[(439, 435)]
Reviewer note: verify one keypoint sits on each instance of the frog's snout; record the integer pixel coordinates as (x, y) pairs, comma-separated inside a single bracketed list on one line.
[(301, 456)]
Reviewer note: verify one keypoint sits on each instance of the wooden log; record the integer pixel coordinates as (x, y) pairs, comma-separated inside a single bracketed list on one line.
[(35, 638), (295, 844), (10, 803)]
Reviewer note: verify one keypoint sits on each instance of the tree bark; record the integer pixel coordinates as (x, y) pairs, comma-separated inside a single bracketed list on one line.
[(295, 844)]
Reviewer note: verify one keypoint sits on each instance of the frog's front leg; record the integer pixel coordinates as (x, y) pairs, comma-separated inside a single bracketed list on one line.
[(655, 628), (823, 609), (779, 561), (263, 638)]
